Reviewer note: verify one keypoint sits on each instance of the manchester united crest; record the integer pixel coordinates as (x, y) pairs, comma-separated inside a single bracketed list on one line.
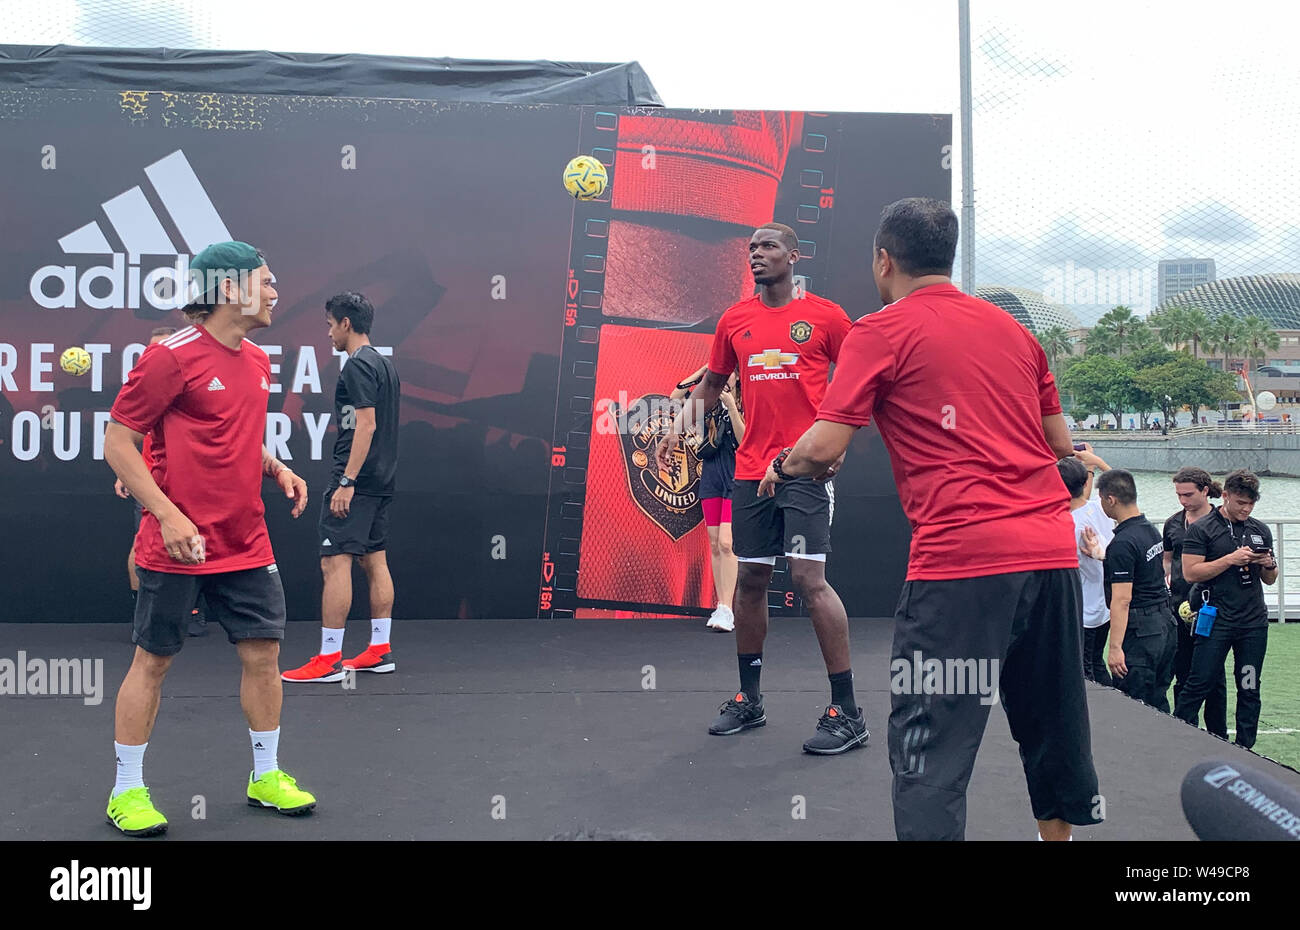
[(801, 331), (668, 497)]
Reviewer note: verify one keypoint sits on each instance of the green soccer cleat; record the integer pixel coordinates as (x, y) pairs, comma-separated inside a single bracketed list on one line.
[(134, 814), (278, 789)]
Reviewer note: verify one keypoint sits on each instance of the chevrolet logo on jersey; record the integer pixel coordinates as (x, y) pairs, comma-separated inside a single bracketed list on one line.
[(668, 497), (773, 359)]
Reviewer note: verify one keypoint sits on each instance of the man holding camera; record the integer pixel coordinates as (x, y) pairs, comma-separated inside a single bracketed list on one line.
[(1230, 554)]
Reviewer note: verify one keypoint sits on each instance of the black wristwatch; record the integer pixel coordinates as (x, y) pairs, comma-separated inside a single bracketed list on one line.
[(776, 465), (346, 482)]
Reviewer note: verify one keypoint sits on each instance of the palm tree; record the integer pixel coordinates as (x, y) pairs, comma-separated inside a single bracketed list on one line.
[(1224, 335), (1142, 335), (1258, 338), (1196, 326), (1098, 341), (1115, 326), (1056, 342), (1171, 323)]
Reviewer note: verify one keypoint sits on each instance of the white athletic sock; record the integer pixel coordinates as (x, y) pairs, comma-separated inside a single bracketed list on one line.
[(331, 641), (265, 746), (130, 767), (379, 630)]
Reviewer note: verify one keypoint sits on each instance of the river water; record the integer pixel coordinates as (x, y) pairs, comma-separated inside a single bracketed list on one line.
[(1279, 499)]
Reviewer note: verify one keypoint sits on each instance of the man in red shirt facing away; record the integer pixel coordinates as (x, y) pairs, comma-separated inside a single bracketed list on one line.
[(201, 394), (991, 608), (783, 345)]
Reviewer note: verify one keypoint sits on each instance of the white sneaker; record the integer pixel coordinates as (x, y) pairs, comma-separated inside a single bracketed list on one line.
[(723, 619)]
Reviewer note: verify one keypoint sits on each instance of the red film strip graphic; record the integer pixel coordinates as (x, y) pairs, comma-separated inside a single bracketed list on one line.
[(583, 298), (625, 563)]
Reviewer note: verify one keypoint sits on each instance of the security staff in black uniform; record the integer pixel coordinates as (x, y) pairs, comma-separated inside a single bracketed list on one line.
[(1194, 488), (1231, 554), (1142, 635)]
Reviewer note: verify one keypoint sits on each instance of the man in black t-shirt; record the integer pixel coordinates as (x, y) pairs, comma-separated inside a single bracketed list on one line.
[(1142, 636), (354, 513), (1194, 488), (1230, 554)]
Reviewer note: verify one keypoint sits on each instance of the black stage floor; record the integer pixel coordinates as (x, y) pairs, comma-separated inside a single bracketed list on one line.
[(552, 718)]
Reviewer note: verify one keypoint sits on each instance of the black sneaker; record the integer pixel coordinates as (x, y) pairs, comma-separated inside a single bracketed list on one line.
[(837, 732), (739, 713), (198, 625)]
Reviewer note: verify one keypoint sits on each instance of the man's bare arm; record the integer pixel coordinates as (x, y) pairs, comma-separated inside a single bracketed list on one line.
[(1057, 435), (122, 452)]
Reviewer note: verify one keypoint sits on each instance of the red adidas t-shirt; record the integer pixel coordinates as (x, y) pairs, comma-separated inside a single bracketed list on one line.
[(959, 389), (784, 355), (205, 406)]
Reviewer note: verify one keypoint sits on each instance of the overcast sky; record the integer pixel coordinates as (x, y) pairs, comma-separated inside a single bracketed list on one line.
[(1107, 134)]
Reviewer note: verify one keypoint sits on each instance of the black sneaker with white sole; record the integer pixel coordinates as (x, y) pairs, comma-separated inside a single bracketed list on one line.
[(739, 713), (838, 732)]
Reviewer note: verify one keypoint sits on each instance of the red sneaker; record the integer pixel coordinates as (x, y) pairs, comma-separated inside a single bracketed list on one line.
[(318, 668), (375, 659)]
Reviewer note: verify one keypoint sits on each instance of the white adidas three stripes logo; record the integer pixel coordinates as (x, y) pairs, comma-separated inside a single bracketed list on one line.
[(136, 223), (187, 335)]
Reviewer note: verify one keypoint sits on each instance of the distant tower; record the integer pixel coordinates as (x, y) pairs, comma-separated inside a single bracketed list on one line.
[(1176, 275)]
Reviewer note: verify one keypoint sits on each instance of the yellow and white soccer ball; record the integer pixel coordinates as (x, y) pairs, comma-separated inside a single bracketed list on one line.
[(585, 177), (75, 361)]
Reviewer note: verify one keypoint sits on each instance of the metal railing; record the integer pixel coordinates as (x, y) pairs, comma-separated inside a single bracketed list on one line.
[(1280, 601), (1237, 429), (1183, 432)]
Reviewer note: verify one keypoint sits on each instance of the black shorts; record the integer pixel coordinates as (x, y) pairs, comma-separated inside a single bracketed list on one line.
[(362, 531), (796, 521), (962, 645), (716, 479), (248, 604)]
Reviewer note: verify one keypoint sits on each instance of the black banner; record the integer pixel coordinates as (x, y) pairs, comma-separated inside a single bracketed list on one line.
[(517, 317)]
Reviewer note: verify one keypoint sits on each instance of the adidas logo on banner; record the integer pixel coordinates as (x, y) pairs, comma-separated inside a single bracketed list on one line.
[(216, 385), (138, 225)]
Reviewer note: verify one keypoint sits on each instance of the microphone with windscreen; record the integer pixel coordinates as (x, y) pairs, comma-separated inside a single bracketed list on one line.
[(1228, 801)]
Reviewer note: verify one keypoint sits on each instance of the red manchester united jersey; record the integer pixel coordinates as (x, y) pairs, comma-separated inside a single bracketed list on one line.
[(784, 355), (959, 390), (204, 406), (643, 534)]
